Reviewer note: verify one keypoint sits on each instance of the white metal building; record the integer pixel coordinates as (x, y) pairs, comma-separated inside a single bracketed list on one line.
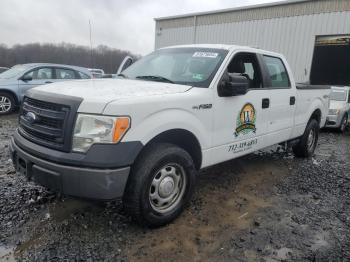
[(292, 28)]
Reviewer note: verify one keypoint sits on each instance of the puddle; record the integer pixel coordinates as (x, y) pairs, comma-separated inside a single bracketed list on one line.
[(7, 254), (64, 209)]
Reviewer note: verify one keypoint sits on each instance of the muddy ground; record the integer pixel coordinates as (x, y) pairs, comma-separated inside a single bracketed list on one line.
[(267, 206)]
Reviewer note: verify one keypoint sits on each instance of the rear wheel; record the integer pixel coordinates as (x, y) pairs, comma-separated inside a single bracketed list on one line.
[(7, 103), (160, 185), (308, 142), (344, 123)]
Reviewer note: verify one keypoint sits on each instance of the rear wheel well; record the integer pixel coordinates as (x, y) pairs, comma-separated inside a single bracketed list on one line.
[(184, 139), (12, 94)]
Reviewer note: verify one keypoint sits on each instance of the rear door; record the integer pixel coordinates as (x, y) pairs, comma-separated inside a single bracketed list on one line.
[(282, 100), (65, 74), (38, 76), (240, 122)]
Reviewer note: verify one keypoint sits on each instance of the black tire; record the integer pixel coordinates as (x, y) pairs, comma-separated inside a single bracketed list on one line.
[(137, 196), (305, 148), (344, 123), (7, 103)]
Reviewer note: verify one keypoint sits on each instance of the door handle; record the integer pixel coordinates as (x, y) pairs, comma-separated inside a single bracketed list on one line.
[(48, 82), (265, 103), (292, 100)]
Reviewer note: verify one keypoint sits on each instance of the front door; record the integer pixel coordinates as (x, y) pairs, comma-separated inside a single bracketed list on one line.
[(240, 122)]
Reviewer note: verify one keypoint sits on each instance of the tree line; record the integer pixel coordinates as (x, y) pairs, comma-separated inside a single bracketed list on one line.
[(102, 56)]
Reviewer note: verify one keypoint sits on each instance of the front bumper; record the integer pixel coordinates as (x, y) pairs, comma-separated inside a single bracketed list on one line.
[(86, 182), (333, 121)]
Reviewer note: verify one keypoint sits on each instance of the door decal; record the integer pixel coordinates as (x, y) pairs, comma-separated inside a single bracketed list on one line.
[(246, 120)]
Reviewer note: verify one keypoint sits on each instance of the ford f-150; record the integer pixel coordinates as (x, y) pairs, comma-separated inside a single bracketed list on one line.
[(145, 135)]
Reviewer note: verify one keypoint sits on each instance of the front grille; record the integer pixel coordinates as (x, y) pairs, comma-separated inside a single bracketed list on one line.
[(44, 122)]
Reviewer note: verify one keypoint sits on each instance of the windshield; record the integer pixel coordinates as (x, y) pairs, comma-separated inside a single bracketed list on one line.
[(187, 66), (338, 95), (14, 71)]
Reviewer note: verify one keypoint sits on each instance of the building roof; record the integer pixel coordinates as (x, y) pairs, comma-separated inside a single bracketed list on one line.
[(272, 10), (248, 7)]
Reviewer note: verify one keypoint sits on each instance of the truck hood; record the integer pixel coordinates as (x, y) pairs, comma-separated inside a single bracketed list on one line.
[(97, 93)]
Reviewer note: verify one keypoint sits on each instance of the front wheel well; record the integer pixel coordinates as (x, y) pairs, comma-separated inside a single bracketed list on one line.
[(12, 94), (184, 139)]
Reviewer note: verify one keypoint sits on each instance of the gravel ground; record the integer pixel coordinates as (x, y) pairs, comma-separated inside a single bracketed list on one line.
[(267, 206)]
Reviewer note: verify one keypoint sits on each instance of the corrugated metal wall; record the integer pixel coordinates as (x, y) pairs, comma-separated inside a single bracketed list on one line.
[(294, 36)]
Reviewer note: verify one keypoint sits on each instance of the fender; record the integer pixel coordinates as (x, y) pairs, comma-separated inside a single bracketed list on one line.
[(303, 118), (168, 119), (317, 104)]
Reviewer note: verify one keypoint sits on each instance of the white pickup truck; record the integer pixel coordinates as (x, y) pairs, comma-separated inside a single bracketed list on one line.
[(145, 135)]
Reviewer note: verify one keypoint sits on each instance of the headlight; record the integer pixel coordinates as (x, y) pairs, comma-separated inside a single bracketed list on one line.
[(93, 129), (333, 111)]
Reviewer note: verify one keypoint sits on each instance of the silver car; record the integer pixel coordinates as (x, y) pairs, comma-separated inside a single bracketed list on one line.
[(339, 108), (17, 80)]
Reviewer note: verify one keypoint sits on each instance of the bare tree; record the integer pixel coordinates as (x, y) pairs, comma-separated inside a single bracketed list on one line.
[(103, 57)]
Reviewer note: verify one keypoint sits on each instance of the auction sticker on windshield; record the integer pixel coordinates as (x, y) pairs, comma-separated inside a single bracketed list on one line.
[(205, 54)]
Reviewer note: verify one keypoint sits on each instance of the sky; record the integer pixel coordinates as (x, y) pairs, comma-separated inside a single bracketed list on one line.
[(121, 24)]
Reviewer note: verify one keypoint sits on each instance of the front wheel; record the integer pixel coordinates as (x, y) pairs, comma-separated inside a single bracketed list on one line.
[(7, 103), (308, 142), (160, 185), (344, 123)]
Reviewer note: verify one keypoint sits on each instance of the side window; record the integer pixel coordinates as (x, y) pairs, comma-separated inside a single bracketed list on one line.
[(246, 64), (82, 75), (278, 72), (62, 73), (42, 73)]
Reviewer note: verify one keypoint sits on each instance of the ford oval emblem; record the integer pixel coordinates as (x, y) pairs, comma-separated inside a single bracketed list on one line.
[(31, 117)]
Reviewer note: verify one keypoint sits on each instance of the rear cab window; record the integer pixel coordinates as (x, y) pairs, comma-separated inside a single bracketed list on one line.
[(277, 72)]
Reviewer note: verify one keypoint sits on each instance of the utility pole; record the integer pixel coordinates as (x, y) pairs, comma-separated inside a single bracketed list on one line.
[(91, 56)]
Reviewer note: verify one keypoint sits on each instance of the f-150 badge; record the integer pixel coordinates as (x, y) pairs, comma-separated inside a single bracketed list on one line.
[(246, 120)]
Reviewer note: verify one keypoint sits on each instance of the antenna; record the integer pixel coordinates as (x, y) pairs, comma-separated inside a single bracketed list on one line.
[(91, 60)]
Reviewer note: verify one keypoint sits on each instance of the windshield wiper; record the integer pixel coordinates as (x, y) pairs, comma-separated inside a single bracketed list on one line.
[(155, 78)]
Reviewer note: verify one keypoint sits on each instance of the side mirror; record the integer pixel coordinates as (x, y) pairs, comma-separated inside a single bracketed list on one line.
[(26, 78), (233, 85)]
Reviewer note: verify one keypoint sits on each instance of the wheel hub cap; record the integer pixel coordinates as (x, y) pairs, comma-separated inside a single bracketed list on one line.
[(5, 104), (166, 187), (311, 139)]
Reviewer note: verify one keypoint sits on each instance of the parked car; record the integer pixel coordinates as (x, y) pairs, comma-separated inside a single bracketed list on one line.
[(3, 69), (20, 78), (177, 110), (96, 73), (339, 108)]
